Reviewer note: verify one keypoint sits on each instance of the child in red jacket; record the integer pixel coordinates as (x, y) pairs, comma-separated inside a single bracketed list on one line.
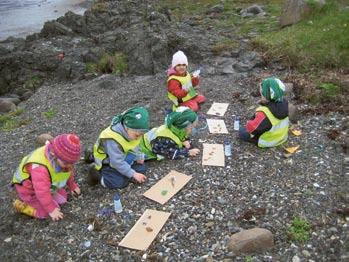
[(42, 175), (180, 84), (269, 126)]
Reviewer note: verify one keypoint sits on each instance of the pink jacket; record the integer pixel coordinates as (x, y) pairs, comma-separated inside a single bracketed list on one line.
[(39, 185)]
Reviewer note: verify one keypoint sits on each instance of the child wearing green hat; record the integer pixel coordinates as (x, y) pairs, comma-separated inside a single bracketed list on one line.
[(116, 153), (269, 126), (171, 139)]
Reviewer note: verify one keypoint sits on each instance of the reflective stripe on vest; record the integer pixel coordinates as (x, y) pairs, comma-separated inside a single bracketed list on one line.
[(278, 134), (58, 179), (98, 150), (161, 131), (186, 85)]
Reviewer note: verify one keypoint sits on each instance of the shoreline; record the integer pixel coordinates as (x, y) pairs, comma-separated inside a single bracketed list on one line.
[(20, 20)]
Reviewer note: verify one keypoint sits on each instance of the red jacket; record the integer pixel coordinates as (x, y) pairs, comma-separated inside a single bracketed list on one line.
[(175, 87)]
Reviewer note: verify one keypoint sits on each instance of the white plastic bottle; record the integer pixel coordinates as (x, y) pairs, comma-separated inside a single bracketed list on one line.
[(227, 148), (237, 123)]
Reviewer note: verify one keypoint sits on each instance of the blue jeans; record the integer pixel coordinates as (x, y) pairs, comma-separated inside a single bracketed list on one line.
[(114, 179), (245, 136)]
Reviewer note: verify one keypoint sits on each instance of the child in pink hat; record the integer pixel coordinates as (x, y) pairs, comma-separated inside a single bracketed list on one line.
[(42, 176), (181, 84)]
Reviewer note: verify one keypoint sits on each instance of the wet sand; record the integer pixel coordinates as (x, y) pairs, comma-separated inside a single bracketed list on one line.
[(20, 18)]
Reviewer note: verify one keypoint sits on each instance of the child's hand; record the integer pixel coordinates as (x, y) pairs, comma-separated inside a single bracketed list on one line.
[(76, 191), (194, 152), (140, 178), (56, 214), (186, 144)]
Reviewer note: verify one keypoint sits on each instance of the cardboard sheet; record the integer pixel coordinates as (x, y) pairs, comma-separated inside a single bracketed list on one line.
[(145, 230), (167, 187), (217, 126), (213, 155), (218, 109)]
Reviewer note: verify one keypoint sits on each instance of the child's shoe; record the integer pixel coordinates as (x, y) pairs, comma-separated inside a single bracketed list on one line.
[(24, 208), (93, 176), (88, 156)]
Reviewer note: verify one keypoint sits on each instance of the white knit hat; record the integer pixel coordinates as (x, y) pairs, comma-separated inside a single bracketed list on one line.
[(179, 58)]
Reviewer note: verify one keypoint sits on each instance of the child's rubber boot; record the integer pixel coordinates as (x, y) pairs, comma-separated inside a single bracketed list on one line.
[(24, 208), (88, 156), (93, 176)]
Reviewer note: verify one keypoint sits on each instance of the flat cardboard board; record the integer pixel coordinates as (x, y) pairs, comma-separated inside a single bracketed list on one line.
[(145, 230), (218, 109), (217, 126), (213, 155), (167, 187)]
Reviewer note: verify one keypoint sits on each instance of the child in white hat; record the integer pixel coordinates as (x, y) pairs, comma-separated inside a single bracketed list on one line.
[(181, 84)]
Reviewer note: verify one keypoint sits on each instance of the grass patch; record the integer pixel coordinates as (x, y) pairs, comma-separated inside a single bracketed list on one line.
[(330, 90), (109, 64), (321, 41), (50, 113), (91, 68), (11, 120), (299, 230), (227, 45), (33, 83)]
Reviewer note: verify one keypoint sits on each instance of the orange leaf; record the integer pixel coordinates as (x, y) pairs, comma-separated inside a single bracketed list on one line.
[(292, 149)]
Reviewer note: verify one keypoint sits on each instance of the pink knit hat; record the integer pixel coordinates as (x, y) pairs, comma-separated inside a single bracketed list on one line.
[(67, 147)]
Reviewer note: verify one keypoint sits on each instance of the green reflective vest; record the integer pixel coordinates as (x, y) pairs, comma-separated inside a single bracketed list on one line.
[(58, 179), (98, 149), (162, 131), (187, 84), (278, 134)]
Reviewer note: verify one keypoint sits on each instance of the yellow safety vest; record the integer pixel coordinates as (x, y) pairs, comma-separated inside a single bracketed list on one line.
[(278, 134), (162, 131), (98, 150), (185, 82), (58, 179)]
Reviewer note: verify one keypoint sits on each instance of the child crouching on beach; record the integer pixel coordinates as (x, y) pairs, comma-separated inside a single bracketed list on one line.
[(171, 140), (42, 175)]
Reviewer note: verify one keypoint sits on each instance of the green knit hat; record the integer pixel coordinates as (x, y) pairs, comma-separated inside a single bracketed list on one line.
[(273, 89), (134, 118), (181, 118)]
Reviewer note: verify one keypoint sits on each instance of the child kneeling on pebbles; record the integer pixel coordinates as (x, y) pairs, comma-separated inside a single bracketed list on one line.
[(269, 126), (116, 155), (171, 139), (181, 85), (42, 175)]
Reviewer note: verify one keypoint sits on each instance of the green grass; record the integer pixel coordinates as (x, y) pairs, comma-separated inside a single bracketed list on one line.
[(33, 83), (91, 68), (109, 64), (50, 113), (329, 89), (248, 259), (299, 231), (321, 41), (225, 45), (228, 20), (12, 120)]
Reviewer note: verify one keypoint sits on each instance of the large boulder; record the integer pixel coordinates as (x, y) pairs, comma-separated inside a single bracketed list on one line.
[(54, 28), (6, 106), (295, 10), (251, 241)]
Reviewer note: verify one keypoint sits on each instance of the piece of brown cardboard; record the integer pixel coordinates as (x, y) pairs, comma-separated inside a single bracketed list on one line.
[(145, 230), (167, 187), (218, 109), (213, 155), (217, 126)]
